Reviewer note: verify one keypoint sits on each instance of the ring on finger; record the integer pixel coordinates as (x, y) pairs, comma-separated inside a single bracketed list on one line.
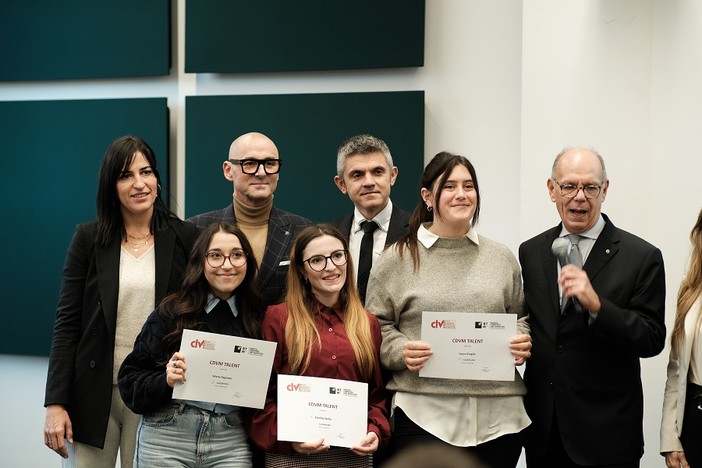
[(175, 363)]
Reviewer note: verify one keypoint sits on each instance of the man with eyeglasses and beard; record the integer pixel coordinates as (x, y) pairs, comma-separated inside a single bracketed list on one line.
[(253, 166), (595, 296)]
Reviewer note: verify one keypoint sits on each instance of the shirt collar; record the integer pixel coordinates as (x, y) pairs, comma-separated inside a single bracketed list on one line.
[(213, 301), (428, 238), (592, 233), (382, 218), (336, 308)]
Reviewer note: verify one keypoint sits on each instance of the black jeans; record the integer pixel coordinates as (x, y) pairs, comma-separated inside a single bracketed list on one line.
[(502, 452)]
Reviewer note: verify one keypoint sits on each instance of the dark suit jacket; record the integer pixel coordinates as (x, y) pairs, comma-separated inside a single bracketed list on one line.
[(82, 348), (283, 227), (399, 225), (589, 374)]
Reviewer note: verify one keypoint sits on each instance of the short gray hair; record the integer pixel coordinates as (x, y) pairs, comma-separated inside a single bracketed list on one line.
[(360, 144)]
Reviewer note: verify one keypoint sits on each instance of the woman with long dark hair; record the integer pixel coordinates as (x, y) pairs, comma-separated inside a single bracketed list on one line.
[(218, 295), (322, 330), (444, 265), (681, 425), (117, 269)]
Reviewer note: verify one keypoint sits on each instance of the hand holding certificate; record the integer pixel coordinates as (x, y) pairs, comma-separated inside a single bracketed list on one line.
[(225, 369), (469, 345), (310, 408)]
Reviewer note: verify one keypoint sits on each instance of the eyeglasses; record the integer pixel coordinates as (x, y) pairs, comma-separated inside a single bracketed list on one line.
[(216, 259), (571, 191), (250, 166), (319, 262)]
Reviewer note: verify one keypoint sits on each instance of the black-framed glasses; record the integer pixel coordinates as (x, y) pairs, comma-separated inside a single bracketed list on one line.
[(319, 262), (216, 259), (571, 191), (250, 166)]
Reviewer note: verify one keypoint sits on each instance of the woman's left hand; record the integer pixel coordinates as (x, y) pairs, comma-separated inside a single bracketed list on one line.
[(676, 460), (175, 369), (520, 347), (368, 445)]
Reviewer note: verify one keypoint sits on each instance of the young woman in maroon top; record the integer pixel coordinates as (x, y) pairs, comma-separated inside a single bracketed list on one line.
[(322, 330)]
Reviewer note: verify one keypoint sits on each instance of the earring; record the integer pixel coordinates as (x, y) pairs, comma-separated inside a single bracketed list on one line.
[(429, 208), (158, 189)]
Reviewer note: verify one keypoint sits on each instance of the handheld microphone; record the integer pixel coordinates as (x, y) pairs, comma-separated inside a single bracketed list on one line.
[(559, 248)]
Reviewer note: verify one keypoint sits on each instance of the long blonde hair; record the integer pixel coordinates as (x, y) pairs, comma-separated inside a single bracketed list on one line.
[(690, 288), (300, 331)]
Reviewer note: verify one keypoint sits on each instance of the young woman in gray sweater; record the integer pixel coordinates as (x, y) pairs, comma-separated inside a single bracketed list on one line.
[(444, 265)]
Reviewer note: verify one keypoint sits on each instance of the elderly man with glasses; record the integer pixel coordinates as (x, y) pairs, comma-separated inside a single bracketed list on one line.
[(253, 166), (595, 296)]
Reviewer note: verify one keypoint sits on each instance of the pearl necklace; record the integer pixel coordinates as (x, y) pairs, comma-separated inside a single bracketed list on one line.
[(138, 245)]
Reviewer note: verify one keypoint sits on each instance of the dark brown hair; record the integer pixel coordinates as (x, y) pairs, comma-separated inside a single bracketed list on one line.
[(434, 179), (186, 307)]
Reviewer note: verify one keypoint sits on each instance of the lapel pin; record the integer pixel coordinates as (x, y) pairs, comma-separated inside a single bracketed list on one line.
[(607, 251), (287, 233)]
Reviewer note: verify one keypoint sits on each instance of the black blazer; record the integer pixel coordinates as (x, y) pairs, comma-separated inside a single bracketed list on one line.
[(283, 227), (589, 374), (399, 225), (82, 348)]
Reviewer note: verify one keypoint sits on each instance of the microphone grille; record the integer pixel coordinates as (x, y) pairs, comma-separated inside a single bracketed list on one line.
[(560, 247)]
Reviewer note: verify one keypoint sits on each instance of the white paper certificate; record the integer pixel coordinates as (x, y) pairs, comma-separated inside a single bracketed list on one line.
[(225, 369), (310, 408), (468, 345)]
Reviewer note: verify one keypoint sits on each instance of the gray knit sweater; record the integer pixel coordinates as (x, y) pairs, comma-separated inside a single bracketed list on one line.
[(454, 275)]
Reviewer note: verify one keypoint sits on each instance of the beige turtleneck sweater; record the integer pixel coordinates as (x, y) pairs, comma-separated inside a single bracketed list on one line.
[(253, 221)]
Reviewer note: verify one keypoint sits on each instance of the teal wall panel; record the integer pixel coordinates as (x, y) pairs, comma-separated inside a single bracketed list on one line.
[(51, 153), (75, 39), (228, 36), (307, 129)]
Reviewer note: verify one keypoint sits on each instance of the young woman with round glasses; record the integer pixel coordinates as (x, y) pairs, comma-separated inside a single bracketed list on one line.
[(218, 295), (322, 330)]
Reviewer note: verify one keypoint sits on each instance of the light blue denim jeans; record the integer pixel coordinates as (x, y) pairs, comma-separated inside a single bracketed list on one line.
[(180, 435)]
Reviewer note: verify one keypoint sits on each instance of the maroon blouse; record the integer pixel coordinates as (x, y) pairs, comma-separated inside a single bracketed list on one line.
[(335, 360)]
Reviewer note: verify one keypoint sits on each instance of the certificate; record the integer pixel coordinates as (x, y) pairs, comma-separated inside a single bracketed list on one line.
[(310, 408), (225, 369), (469, 346)]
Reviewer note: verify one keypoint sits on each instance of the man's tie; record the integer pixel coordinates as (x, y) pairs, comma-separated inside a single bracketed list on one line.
[(365, 259), (574, 258)]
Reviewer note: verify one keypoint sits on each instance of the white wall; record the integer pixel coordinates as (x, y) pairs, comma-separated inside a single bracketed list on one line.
[(508, 84), (623, 76)]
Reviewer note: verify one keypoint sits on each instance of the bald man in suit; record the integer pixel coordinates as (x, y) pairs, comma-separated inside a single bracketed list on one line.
[(253, 166)]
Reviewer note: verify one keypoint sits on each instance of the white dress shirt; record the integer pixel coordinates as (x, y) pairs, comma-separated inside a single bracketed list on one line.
[(379, 236)]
